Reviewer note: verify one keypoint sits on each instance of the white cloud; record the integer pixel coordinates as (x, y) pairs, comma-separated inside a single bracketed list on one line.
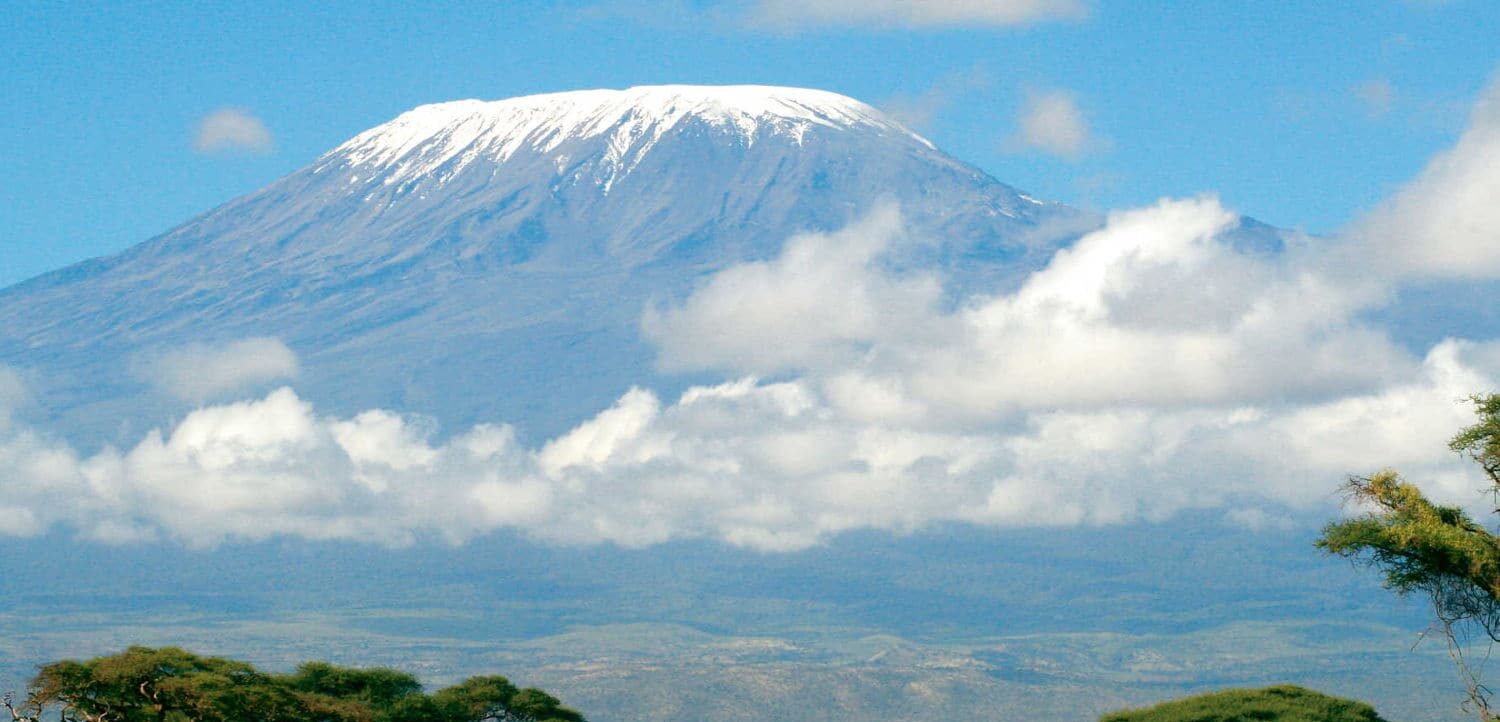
[(1051, 122), (197, 372), (1405, 426), (231, 129), (1446, 222), (1151, 309), (817, 302), (914, 13), (12, 394)]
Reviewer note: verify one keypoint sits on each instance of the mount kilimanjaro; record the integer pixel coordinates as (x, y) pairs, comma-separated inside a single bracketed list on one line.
[(490, 260)]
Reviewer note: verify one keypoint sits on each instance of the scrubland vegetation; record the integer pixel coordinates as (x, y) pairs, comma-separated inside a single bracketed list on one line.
[(1285, 703)]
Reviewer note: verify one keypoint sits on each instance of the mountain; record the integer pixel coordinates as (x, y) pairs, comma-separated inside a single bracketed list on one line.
[(490, 260)]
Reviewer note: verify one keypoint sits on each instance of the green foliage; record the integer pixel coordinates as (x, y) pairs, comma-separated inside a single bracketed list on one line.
[(1421, 547), (373, 686), (1424, 547), (172, 685), (1285, 703), (1481, 442), (1436, 550)]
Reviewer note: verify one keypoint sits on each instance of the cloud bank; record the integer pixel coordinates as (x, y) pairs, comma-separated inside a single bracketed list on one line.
[(768, 465), (231, 129)]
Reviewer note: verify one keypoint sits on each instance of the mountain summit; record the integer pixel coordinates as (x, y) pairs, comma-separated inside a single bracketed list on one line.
[(435, 143), (490, 260)]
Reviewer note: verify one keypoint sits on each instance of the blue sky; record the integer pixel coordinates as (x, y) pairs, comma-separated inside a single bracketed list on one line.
[(1301, 114)]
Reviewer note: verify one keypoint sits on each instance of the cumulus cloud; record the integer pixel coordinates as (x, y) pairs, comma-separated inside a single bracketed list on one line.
[(197, 372), (1051, 122), (819, 302), (231, 129), (914, 13), (1446, 222), (1154, 308)]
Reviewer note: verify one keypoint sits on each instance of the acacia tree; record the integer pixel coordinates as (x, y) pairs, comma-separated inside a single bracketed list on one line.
[(172, 685), (1437, 551)]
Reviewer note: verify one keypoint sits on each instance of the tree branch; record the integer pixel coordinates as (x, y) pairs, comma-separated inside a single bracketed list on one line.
[(8, 701)]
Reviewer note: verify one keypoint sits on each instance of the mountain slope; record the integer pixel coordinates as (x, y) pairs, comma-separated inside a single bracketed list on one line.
[(490, 260)]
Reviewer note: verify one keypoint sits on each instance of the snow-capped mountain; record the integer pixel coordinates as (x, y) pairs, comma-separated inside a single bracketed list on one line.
[(490, 260)]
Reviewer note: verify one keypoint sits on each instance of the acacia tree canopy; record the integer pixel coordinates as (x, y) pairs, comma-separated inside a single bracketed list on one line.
[(1432, 549), (169, 684)]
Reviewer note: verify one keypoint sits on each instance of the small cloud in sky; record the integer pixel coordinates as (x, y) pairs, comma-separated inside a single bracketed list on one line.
[(1051, 122), (1378, 96), (12, 393), (197, 372), (917, 111), (1095, 188), (789, 14), (231, 129)]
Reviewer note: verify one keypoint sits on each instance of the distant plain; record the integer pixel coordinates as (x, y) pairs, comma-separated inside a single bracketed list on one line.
[(952, 623)]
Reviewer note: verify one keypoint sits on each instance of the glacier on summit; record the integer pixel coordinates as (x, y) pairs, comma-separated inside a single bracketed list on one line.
[(442, 139)]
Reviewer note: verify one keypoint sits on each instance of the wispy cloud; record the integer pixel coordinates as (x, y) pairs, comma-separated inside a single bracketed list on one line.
[(12, 394), (198, 372), (1052, 122), (231, 129), (1378, 96), (792, 16), (914, 13), (918, 110)]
